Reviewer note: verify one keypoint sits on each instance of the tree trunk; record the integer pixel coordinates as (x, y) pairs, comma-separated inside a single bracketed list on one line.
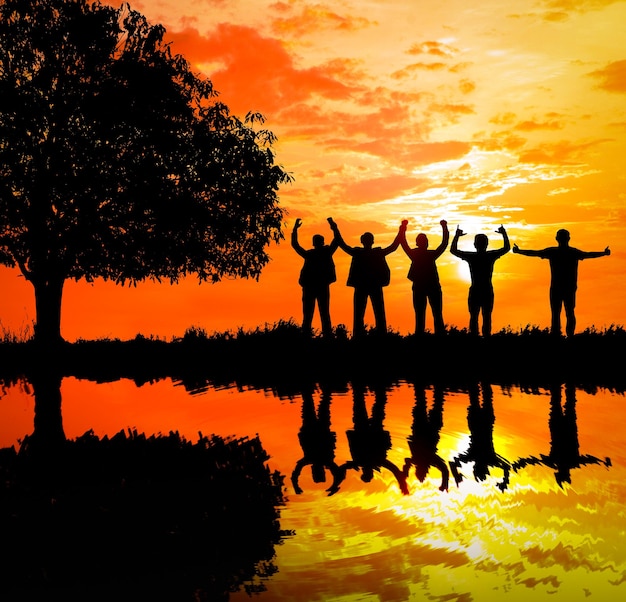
[(48, 295), (48, 434)]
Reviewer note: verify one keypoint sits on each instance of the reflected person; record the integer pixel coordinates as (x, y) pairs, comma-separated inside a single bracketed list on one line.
[(318, 443), (368, 275), (424, 437), (425, 277), (481, 262), (563, 278), (369, 442), (564, 446), (316, 276), (481, 451)]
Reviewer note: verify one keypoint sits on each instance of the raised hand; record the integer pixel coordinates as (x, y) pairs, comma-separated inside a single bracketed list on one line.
[(460, 232), (501, 229), (297, 224), (515, 248)]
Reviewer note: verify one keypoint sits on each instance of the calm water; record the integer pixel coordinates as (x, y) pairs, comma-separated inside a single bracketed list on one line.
[(538, 509)]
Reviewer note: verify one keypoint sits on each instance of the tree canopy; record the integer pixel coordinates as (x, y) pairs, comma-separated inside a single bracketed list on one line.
[(117, 161)]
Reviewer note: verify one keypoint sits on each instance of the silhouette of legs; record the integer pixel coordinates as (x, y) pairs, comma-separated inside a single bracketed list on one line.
[(566, 299), (360, 302), (378, 305), (321, 296), (480, 300), (361, 295), (420, 298), (419, 305), (308, 307), (436, 305)]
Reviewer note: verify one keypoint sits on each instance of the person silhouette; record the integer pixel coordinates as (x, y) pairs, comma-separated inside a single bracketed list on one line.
[(481, 451), (424, 437), (368, 441), (368, 274), (564, 278), (425, 277), (481, 264), (318, 443), (316, 276), (564, 446)]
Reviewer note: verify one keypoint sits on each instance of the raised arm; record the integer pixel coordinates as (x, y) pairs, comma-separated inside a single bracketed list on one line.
[(445, 238), (334, 243), (403, 242), (338, 238), (455, 241), (505, 238), (294, 238), (398, 239)]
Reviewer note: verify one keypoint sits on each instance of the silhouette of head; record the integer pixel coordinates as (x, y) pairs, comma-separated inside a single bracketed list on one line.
[(422, 241), (367, 475), (421, 470), (367, 240), (480, 242), (562, 236), (563, 475), (318, 471), (481, 471), (318, 241)]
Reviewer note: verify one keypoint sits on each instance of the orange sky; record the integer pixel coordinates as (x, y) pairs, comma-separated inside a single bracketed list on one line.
[(482, 113)]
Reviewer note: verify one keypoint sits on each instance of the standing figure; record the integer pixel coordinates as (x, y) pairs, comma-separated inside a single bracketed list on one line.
[(368, 274), (425, 277), (481, 264), (564, 278), (316, 276), (564, 447)]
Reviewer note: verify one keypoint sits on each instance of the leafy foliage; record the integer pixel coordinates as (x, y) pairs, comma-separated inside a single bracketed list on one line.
[(116, 161)]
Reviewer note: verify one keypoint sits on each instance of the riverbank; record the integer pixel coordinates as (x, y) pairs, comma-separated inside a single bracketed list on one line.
[(280, 357)]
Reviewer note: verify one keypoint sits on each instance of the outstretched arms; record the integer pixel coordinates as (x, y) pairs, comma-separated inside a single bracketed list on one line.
[(527, 252), (593, 254)]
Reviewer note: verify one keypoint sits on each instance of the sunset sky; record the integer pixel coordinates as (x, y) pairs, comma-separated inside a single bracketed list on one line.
[(480, 113)]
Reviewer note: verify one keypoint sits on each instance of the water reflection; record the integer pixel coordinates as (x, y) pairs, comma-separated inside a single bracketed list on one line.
[(425, 434), (133, 516), (481, 452), (318, 442), (488, 538), (564, 447), (368, 441)]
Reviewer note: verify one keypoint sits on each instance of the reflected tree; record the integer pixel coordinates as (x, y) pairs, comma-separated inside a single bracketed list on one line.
[(369, 442), (118, 162), (480, 420), (157, 517), (564, 446), (424, 437)]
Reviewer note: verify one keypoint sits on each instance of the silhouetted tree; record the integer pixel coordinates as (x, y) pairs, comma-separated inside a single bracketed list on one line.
[(116, 161)]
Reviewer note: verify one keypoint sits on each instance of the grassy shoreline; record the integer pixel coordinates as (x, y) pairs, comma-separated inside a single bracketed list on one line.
[(280, 357)]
